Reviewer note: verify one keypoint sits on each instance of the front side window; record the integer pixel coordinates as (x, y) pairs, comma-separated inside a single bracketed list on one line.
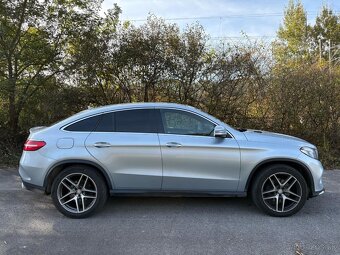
[(185, 123)]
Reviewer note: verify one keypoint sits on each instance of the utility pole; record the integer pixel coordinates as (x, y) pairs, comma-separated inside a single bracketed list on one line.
[(336, 58), (329, 55), (320, 51)]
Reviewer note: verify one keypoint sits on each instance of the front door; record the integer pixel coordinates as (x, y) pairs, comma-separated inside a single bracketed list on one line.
[(193, 159)]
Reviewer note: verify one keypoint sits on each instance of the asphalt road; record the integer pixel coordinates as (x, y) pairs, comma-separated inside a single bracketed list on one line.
[(29, 224)]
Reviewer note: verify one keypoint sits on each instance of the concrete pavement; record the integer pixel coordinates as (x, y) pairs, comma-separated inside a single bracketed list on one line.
[(29, 224)]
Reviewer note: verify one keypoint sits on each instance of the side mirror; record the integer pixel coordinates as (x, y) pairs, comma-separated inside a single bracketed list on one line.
[(220, 131)]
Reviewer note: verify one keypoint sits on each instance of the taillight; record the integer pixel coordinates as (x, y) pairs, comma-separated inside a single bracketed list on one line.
[(32, 145)]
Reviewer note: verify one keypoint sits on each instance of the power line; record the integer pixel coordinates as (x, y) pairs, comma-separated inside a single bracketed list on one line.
[(255, 15), (241, 37), (220, 18)]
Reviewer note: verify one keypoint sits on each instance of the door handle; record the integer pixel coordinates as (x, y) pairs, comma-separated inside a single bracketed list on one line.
[(102, 145), (173, 145)]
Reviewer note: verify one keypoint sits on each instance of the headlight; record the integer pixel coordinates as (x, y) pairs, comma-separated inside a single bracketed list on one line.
[(311, 152)]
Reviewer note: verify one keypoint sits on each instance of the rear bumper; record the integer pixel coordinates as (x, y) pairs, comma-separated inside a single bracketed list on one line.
[(32, 169), (32, 187)]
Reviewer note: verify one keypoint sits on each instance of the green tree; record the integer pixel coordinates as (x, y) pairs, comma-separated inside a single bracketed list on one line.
[(95, 54), (325, 30), (36, 43), (146, 52), (292, 36), (188, 53)]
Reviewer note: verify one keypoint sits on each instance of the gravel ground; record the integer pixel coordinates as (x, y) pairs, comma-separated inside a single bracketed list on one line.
[(29, 224)]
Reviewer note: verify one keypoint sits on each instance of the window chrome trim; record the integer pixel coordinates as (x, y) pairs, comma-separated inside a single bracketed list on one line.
[(142, 108)]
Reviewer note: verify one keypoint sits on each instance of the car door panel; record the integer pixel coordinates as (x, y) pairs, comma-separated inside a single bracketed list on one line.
[(200, 163), (133, 159)]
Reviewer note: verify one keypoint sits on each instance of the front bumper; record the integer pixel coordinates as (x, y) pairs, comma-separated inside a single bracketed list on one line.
[(316, 171), (317, 193)]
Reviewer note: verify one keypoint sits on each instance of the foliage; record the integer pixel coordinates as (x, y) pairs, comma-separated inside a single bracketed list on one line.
[(58, 57), (325, 30), (292, 36), (36, 46)]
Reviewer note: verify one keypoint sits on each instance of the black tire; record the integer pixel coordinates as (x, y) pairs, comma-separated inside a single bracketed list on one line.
[(93, 178), (262, 195)]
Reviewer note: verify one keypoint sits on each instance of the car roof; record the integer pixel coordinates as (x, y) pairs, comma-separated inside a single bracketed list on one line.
[(114, 107), (139, 105)]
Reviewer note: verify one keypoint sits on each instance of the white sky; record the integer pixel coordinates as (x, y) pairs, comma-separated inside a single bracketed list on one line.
[(216, 27)]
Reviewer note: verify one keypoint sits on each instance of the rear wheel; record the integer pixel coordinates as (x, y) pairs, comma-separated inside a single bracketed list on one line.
[(279, 190), (79, 191)]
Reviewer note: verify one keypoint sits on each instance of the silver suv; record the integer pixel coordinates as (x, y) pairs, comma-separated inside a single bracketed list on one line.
[(161, 148)]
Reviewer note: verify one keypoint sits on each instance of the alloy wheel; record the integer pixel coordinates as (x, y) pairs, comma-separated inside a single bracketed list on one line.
[(77, 193), (281, 192)]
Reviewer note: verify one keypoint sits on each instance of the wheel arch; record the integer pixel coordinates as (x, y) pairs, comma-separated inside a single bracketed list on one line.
[(298, 165), (60, 166)]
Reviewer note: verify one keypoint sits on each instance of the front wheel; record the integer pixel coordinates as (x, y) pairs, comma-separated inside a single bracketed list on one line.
[(279, 190), (79, 191)]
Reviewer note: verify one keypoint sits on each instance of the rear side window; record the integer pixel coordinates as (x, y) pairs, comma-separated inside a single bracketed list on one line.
[(86, 125), (138, 121), (107, 123)]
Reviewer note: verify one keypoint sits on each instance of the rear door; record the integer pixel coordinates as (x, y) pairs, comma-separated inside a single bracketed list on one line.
[(126, 142)]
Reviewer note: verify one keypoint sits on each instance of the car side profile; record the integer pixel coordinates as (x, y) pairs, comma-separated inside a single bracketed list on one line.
[(166, 149)]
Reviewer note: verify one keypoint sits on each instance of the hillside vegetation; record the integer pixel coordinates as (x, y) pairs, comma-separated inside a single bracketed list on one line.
[(60, 57)]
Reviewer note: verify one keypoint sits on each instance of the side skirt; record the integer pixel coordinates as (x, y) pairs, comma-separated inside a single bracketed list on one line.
[(172, 193)]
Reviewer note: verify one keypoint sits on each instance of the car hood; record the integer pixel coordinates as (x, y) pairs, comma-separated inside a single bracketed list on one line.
[(270, 137)]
